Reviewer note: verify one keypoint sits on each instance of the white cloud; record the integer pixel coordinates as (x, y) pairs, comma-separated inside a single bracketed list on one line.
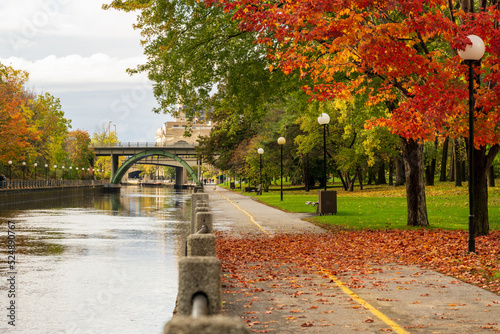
[(77, 73), (79, 53), (26, 24)]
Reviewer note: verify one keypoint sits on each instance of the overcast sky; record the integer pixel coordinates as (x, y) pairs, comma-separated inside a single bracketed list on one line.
[(79, 53)]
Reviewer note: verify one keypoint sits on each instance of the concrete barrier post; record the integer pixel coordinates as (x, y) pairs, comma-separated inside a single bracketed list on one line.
[(194, 203), (199, 274), (202, 245), (205, 325), (198, 209), (204, 218)]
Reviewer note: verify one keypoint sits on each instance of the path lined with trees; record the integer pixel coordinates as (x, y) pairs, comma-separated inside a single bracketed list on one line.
[(387, 74)]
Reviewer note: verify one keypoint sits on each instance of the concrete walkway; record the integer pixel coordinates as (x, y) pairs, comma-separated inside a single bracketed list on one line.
[(401, 299), (241, 214)]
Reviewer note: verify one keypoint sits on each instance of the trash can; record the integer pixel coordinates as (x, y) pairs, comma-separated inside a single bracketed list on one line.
[(231, 185), (327, 202)]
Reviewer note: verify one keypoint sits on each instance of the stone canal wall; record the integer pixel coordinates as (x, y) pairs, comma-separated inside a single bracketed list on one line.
[(199, 297)]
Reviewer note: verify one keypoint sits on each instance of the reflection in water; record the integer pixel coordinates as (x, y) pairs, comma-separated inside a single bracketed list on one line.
[(96, 263)]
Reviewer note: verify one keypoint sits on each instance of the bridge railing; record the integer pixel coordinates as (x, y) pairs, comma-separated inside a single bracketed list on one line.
[(141, 144), (32, 184)]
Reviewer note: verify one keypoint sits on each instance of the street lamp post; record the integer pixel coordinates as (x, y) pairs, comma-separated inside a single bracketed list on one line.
[(71, 172), (281, 142), (10, 170), (55, 172), (63, 172), (24, 170), (324, 119), (260, 151), (46, 171), (35, 164), (472, 53)]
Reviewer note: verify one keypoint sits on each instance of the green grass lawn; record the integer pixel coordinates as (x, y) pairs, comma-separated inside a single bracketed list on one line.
[(384, 207)]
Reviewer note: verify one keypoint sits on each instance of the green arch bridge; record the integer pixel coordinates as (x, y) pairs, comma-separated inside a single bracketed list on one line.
[(135, 152)]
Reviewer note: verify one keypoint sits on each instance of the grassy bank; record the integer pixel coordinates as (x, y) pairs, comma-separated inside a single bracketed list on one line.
[(384, 207)]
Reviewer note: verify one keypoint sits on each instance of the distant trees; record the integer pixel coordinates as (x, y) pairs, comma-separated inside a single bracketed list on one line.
[(33, 128)]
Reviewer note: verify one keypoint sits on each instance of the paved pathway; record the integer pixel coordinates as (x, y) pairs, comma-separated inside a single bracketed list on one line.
[(402, 299)]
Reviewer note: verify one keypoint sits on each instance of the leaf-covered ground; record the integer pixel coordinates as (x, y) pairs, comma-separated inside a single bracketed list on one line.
[(255, 258)]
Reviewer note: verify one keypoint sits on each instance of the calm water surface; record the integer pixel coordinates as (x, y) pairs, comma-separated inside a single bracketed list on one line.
[(102, 263)]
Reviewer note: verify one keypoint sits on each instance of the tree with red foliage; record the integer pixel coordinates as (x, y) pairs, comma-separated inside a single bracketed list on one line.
[(402, 54), (14, 128)]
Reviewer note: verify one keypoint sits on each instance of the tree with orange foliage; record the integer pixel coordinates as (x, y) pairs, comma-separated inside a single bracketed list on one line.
[(14, 128), (403, 55), (78, 148)]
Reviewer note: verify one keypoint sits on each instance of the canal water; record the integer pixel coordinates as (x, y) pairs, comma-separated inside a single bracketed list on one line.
[(88, 262)]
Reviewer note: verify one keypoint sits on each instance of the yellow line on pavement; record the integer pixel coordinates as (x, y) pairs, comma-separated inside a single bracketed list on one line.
[(395, 327), (249, 215)]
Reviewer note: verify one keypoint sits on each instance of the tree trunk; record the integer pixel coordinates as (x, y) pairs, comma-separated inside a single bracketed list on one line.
[(370, 176), (305, 171), (491, 176), (381, 173), (360, 179), (458, 166), (429, 177), (350, 181), (452, 164), (344, 184), (391, 172), (444, 160), (430, 170), (463, 170), (415, 187), (482, 162), (400, 170)]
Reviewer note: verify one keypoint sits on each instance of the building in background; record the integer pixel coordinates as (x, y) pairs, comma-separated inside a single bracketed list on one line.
[(173, 132)]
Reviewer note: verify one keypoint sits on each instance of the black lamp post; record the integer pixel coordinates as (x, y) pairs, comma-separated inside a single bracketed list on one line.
[(24, 170), (324, 119), (10, 170), (46, 171), (281, 142), (260, 151), (35, 164), (63, 172), (55, 172), (472, 53)]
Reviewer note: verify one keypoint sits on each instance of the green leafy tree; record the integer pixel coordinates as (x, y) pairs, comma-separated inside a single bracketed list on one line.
[(46, 115)]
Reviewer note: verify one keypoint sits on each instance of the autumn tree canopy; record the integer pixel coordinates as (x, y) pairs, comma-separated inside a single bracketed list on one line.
[(400, 52), (33, 128), (14, 130)]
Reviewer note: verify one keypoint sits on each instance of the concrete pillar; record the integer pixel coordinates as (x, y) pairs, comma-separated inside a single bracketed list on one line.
[(180, 177), (199, 274), (206, 325), (199, 209), (201, 245), (114, 164), (194, 203), (203, 218), (184, 176)]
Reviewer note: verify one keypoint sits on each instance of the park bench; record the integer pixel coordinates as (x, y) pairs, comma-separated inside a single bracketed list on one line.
[(316, 204), (258, 189)]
